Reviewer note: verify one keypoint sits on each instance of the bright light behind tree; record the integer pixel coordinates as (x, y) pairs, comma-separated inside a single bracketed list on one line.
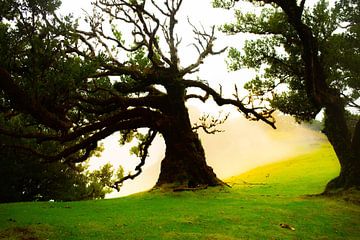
[(229, 160)]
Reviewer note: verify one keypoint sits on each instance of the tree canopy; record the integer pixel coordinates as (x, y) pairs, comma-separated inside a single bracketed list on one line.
[(26, 178)]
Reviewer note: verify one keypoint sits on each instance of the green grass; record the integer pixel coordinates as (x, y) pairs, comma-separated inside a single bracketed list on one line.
[(258, 202)]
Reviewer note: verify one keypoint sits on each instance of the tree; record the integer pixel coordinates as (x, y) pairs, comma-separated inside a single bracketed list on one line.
[(304, 51), (26, 178), (34, 56), (79, 86)]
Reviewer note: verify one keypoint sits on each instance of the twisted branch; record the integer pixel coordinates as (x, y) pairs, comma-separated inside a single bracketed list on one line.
[(144, 150), (250, 113)]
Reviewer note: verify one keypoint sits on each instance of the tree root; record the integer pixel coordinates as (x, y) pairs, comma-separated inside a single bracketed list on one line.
[(182, 189)]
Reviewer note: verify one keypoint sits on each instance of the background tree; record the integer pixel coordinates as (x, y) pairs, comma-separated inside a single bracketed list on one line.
[(42, 77), (307, 61), (77, 87)]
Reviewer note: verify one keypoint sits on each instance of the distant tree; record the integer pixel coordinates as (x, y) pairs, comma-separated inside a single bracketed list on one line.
[(77, 87), (308, 60)]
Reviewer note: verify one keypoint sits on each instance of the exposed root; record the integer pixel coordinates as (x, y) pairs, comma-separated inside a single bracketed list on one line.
[(182, 189), (351, 195)]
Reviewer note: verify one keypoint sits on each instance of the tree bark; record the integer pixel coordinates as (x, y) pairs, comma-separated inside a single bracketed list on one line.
[(347, 150), (184, 164), (323, 96)]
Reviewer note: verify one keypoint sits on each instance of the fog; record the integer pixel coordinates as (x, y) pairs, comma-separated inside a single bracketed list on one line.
[(242, 146), (246, 144)]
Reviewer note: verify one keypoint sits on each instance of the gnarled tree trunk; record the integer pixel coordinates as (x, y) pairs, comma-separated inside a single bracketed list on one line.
[(346, 149), (324, 96), (184, 164)]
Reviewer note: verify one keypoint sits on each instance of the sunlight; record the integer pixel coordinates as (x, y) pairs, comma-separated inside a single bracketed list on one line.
[(171, 119), (229, 153)]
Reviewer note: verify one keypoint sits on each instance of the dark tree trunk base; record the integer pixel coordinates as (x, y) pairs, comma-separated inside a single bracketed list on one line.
[(347, 148), (184, 165), (351, 194), (349, 178), (183, 189), (343, 183), (186, 170)]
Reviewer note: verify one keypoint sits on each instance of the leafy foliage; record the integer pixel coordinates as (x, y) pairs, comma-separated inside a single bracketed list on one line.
[(278, 55), (28, 178), (308, 64)]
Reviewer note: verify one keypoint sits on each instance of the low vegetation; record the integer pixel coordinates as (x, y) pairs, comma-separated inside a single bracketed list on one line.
[(277, 201)]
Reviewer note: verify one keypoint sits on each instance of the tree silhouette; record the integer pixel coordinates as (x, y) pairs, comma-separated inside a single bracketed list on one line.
[(78, 86), (319, 69)]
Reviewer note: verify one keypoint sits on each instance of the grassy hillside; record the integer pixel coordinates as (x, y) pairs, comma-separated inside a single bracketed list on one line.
[(304, 174), (258, 202)]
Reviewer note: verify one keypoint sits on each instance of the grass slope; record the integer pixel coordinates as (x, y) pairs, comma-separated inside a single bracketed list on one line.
[(253, 208)]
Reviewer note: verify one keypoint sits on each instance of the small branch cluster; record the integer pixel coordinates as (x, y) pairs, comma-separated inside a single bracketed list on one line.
[(246, 106), (209, 123), (204, 46)]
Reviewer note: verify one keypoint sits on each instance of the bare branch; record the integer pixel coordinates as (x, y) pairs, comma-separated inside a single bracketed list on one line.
[(204, 47), (201, 98), (143, 153), (27, 103), (350, 101), (302, 5), (250, 113), (160, 9)]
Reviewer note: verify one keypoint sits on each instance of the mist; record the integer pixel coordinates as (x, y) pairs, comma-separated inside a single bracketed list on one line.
[(242, 146), (246, 144)]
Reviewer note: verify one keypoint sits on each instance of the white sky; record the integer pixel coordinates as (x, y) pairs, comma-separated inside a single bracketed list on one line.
[(214, 70)]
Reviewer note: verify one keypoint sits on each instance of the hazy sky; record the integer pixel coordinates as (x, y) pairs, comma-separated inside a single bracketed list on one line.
[(244, 144)]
